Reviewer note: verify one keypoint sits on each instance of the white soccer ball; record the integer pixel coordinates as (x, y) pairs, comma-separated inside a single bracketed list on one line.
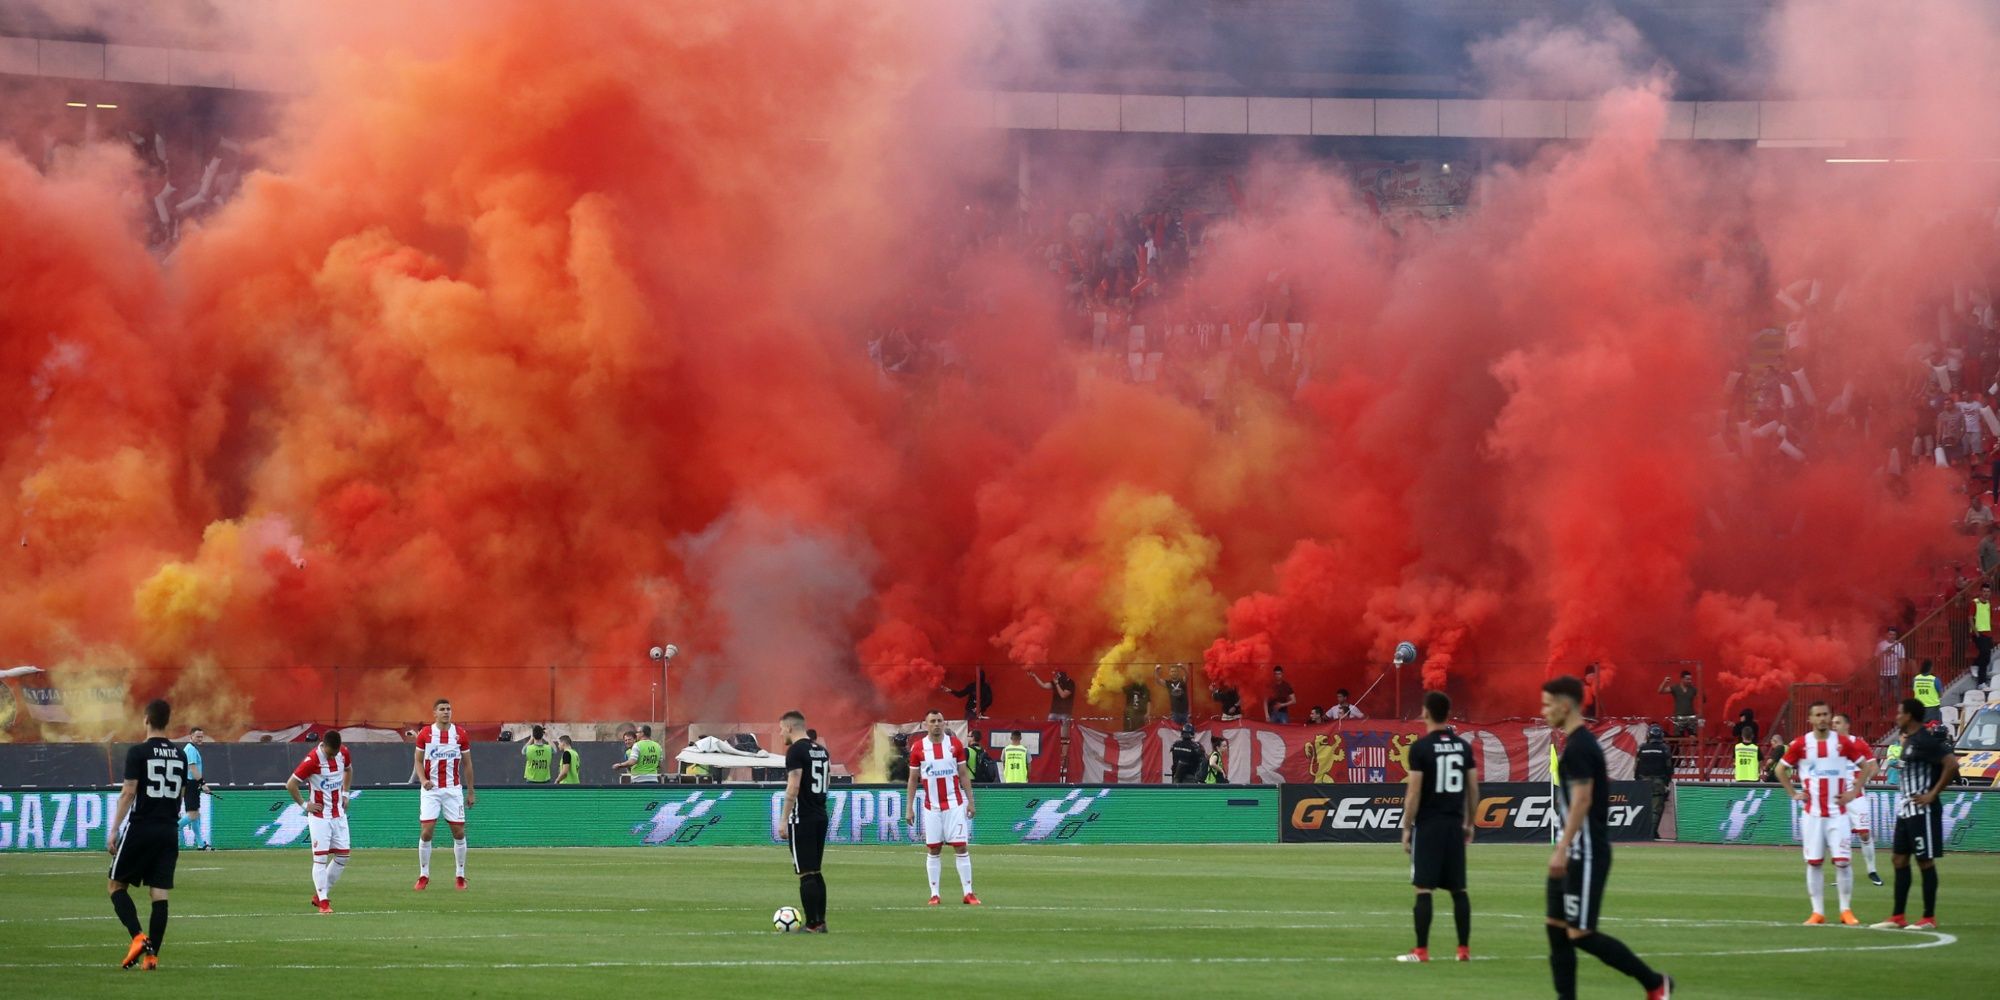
[(786, 920), (1406, 652)]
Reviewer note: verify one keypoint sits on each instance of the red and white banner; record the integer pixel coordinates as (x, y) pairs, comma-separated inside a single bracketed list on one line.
[(1351, 752)]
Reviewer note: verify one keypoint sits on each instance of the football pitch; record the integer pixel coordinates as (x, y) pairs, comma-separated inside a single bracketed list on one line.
[(1071, 922)]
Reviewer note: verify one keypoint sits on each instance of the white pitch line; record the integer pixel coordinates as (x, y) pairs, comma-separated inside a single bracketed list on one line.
[(1938, 940), (342, 939), (93, 871)]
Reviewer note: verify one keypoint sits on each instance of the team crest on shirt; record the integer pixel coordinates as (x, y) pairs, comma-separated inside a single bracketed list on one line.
[(1322, 753)]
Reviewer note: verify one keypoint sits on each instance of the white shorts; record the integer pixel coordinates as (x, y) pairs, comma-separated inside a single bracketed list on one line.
[(329, 835), (1824, 836), (944, 826), (1857, 814), (450, 802)]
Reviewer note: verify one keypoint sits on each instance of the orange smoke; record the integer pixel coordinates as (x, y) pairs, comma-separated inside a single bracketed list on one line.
[(539, 341)]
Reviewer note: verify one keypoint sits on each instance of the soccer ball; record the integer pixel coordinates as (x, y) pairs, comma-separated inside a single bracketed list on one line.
[(786, 920)]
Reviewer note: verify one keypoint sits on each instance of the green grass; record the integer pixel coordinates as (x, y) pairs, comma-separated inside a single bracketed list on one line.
[(1075, 922)]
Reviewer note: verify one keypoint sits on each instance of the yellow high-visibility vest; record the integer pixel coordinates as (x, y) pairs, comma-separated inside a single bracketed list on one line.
[(1746, 762), (1982, 615), (1014, 766), (1926, 689)]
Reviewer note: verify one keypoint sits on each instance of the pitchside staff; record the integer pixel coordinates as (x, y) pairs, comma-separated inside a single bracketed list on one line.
[(1929, 764), (1582, 858), (1436, 824), (807, 772), (145, 832)]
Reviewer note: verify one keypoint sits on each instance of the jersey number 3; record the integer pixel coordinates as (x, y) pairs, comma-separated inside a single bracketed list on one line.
[(163, 779)]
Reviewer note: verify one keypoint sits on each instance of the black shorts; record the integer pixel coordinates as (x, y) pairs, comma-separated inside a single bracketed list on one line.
[(1437, 855), (808, 840), (147, 856), (1921, 835), (1576, 898)]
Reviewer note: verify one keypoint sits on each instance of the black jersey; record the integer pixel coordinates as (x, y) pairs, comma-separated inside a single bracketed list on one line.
[(814, 766), (1583, 760), (1177, 696), (161, 770), (1444, 758), (1924, 754), (1189, 765)]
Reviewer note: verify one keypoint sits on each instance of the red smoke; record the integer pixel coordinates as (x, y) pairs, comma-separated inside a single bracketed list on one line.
[(540, 340)]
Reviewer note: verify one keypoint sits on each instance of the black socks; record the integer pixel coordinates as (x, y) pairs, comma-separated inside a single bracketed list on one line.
[(812, 897), (1930, 892), (1423, 915), (121, 904), (1902, 890), (1562, 962), (1461, 916), (1612, 952), (158, 931)]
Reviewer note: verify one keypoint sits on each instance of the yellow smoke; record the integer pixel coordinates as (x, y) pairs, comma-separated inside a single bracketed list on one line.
[(1159, 598)]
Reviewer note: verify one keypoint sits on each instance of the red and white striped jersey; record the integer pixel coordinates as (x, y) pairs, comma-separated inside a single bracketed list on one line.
[(936, 764), (1827, 768), (325, 775), (444, 749)]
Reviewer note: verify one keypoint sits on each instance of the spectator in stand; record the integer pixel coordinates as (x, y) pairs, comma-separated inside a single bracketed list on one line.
[(1138, 705), (1989, 552), (1062, 694), (1683, 720), (978, 695), (1889, 656), (1746, 729), (1978, 517), (1982, 635), (1278, 707), (1176, 681), (1315, 716), (1227, 701), (1591, 685), (1342, 708)]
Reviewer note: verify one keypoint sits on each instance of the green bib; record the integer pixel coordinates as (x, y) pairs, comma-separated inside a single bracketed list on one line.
[(575, 769), (1746, 762), (1014, 765), (649, 757), (541, 760), (1926, 689)]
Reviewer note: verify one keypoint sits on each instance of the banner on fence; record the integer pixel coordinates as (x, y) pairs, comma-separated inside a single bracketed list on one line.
[(679, 816), (1523, 812), (1762, 814)]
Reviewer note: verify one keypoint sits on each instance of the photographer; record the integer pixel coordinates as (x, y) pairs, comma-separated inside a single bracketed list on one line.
[(899, 758), (538, 758)]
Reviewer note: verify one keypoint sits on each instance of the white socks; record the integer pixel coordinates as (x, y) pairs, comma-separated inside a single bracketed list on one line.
[(424, 858), (458, 854), (932, 866), (1843, 877), (333, 870), (1868, 854), (320, 878), (965, 871), (1816, 888)]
